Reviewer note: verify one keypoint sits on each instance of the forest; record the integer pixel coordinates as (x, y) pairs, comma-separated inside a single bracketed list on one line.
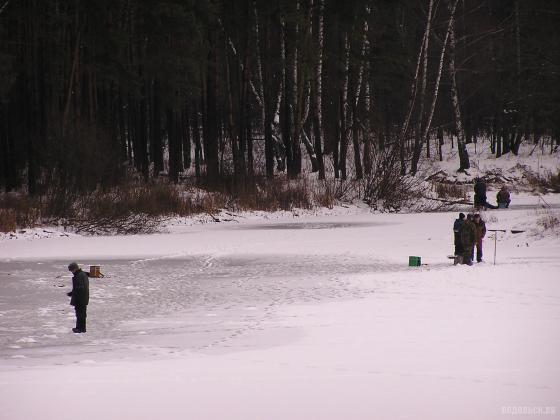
[(228, 92)]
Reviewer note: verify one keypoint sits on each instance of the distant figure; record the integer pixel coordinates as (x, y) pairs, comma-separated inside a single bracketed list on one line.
[(457, 225), (468, 238), (480, 227), (503, 198), (480, 200), (79, 296)]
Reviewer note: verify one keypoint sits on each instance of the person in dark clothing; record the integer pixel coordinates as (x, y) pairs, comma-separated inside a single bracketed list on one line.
[(457, 225), (503, 199), (479, 193), (480, 230), (468, 238), (79, 296), (480, 199)]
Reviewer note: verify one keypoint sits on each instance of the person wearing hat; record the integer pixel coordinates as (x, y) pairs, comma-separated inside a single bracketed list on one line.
[(479, 193), (480, 200), (457, 225), (79, 296), (503, 198), (480, 229)]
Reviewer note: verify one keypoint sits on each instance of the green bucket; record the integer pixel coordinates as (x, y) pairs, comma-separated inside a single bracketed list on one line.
[(414, 261)]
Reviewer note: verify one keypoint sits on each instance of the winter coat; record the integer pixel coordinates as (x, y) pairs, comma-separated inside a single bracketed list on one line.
[(468, 234), (503, 196), (479, 193), (80, 289), (457, 226), (480, 230)]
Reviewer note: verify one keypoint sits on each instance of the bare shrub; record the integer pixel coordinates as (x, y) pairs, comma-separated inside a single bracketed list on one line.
[(58, 203), (489, 217), (280, 194), (7, 220), (547, 182), (205, 202), (324, 194), (554, 182), (549, 221), (450, 191), (129, 224), (295, 195), (131, 208), (26, 211), (385, 187), (267, 195)]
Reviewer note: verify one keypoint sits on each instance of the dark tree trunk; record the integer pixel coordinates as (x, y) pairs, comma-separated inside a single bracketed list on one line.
[(211, 126), (440, 142), (269, 94), (250, 157), (187, 142), (175, 144), (197, 143), (156, 143)]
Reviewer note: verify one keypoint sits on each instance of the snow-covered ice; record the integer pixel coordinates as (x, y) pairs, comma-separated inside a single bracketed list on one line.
[(309, 317)]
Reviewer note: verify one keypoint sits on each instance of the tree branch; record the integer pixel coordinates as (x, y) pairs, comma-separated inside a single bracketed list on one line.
[(4, 6)]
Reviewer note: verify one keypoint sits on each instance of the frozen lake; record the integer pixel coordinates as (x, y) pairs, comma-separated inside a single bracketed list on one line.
[(215, 296), (285, 319)]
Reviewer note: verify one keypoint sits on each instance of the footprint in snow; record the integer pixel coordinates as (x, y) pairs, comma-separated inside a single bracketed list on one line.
[(26, 340)]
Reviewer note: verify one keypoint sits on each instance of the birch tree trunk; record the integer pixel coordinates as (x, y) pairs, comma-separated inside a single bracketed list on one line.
[(356, 99), (287, 100), (368, 94), (269, 97), (426, 131), (410, 108), (418, 140), (461, 146), (301, 92), (317, 91), (344, 107)]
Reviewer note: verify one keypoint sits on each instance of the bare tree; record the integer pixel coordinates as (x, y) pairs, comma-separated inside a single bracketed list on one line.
[(364, 48), (427, 125), (463, 154), (344, 106), (4, 6), (317, 91), (418, 134), (410, 108)]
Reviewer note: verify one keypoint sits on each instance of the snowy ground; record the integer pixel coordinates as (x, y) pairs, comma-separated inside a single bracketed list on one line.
[(308, 317)]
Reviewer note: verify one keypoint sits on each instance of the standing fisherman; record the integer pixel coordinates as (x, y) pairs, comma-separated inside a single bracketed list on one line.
[(468, 238), (457, 226), (79, 296), (480, 229)]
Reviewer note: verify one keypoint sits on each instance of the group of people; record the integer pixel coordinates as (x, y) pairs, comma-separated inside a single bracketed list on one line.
[(469, 232), (480, 200)]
